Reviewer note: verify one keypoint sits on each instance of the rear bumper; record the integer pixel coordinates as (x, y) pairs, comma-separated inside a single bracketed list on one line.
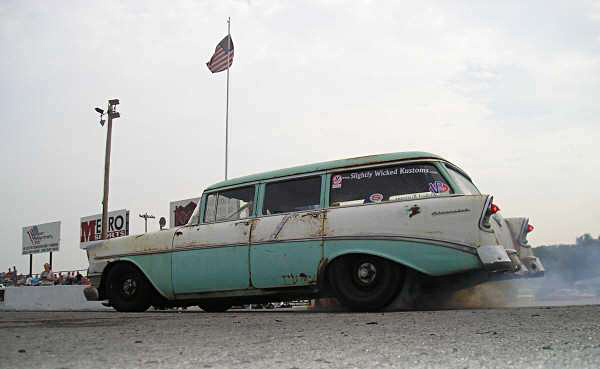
[(496, 258)]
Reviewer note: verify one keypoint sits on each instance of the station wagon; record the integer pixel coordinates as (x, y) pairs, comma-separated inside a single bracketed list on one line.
[(364, 230)]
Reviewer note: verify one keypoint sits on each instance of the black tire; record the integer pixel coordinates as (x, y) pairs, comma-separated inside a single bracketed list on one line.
[(214, 306), (128, 289), (365, 282)]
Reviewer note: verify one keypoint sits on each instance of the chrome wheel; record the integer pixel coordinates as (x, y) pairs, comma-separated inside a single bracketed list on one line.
[(366, 273), (129, 287)]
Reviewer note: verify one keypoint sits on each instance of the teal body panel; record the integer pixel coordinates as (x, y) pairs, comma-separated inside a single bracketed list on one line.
[(211, 269), (285, 264), (430, 259), (157, 268)]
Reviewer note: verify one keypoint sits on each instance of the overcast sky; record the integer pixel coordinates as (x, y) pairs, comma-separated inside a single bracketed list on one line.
[(507, 90)]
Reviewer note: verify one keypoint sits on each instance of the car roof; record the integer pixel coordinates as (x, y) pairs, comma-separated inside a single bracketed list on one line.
[(326, 165)]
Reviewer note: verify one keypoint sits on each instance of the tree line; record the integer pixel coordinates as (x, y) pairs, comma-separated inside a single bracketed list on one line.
[(571, 262)]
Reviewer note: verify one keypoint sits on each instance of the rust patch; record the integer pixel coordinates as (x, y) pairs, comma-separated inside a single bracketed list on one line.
[(323, 230), (297, 278)]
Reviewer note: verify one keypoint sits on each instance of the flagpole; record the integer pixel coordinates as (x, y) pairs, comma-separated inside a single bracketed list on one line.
[(227, 104)]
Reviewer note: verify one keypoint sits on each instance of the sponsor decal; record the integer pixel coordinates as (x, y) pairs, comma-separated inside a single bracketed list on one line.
[(376, 197), (400, 171), (41, 238), (91, 226), (438, 187), (336, 181), (448, 212), (414, 196), (414, 211), (361, 175), (388, 172), (36, 236)]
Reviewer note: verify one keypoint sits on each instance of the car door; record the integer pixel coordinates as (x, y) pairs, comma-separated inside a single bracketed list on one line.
[(286, 242), (213, 255)]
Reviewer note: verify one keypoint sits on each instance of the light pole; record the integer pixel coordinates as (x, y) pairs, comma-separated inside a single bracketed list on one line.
[(146, 217), (112, 114)]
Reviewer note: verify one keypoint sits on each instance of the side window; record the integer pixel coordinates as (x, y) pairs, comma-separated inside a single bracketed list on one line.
[(211, 208), (293, 195), (385, 184), (464, 184), (229, 205)]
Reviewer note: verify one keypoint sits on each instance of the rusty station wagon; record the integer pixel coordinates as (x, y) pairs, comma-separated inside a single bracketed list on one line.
[(364, 230)]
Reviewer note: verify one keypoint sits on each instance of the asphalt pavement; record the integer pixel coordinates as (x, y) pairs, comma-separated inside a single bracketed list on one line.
[(532, 337)]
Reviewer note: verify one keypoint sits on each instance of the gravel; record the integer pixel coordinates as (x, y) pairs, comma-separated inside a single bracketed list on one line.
[(532, 337)]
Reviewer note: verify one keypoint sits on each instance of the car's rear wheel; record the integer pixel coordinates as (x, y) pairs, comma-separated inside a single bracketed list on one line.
[(365, 282), (215, 306), (128, 289)]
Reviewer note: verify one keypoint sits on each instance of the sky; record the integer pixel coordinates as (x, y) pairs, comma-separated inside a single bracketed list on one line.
[(506, 90)]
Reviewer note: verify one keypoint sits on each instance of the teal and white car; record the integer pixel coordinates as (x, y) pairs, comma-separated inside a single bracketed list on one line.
[(363, 230)]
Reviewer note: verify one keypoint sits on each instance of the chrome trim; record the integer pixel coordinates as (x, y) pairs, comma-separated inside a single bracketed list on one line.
[(452, 245), (522, 239), (486, 206)]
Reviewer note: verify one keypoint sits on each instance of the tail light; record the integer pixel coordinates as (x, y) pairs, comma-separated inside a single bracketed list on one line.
[(491, 210), (530, 228)]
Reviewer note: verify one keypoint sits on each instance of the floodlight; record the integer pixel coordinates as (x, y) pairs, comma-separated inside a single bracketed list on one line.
[(99, 110), (113, 102), (102, 121)]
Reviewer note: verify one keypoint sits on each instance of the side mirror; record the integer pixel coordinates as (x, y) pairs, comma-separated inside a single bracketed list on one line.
[(162, 222)]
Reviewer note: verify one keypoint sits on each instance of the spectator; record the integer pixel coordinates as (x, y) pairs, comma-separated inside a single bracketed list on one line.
[(78, 278), (60, 279), (14, 276), (46, 276), (68, 279)]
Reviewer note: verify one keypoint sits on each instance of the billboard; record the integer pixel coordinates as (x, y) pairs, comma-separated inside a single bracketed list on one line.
[(91, 226), (41, 238), (181, 211)]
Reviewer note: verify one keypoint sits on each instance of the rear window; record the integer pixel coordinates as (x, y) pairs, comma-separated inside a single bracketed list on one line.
[(374, 185)]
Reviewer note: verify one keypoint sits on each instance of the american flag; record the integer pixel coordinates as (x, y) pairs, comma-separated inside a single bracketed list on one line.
[(223, 56)]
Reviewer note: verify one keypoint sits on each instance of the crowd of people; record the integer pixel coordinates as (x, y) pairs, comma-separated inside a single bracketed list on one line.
[(45, 278)]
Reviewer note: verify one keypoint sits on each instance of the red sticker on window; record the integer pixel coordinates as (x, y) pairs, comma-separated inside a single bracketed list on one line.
[(336, 181), (438, 187), (376, 197)]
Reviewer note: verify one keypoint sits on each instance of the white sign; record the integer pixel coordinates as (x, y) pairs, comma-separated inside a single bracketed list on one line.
[(91, 227), (41, 238), (181, 211)]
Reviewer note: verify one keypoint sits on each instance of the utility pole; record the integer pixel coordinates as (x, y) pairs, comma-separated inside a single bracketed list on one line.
[(112, 114), (146, 217)]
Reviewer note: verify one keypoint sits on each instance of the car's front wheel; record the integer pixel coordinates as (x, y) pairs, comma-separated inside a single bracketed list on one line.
[(128, 290), (365, 282)]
